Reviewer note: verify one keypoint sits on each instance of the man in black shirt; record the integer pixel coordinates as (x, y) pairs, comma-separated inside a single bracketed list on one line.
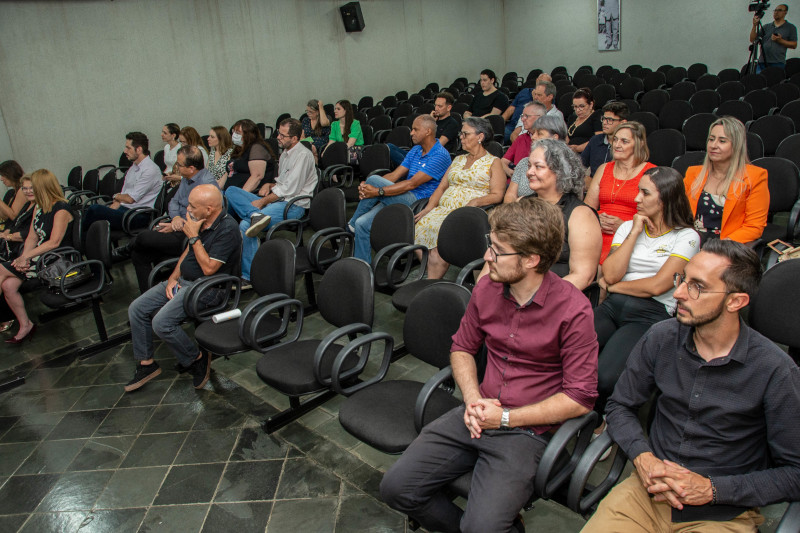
[(447, 127), (724, 437), (215, 245)]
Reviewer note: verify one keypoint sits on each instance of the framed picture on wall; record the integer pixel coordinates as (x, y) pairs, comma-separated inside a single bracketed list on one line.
[(608, 18)]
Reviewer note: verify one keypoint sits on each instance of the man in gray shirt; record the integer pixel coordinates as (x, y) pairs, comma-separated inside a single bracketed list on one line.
[(776, 36)]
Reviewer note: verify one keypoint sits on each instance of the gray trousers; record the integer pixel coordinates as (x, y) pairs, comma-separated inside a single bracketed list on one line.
[(503, 465)]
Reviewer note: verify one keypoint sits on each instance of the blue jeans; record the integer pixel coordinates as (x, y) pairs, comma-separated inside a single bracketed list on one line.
[(240, 202), (762, 66), (153, 312), (397, 154), (366, 211)]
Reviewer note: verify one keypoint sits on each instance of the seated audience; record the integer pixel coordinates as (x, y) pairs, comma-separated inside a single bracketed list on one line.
[(447, 128), (298, 177), (50, 228), (12, 239), (598, 149), (249, 167), (10, 175), (546, 127), (646, 254), (729, 198), (316, 126), (346, 129), (169, 134), (190, 137), (541, 370), (514, 111), (416, 178), (488, 100), (615, 185), (721, 443), (521, 147), (219, 141), (587, 121), (140, 188), (214, 247), (545, 94), (167, 240), (475, 179)]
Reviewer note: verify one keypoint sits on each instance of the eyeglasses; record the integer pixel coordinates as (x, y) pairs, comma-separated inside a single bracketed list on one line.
[(580, 106), (692, 287), (531, 116), (610, 120), (282, 136), (26, 189), (493, 253), (462, 134)]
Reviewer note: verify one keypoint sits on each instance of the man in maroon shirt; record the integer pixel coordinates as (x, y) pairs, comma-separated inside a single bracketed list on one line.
[(541, 370)]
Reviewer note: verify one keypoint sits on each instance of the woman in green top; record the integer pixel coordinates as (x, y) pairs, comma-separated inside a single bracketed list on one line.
[(345, 126)]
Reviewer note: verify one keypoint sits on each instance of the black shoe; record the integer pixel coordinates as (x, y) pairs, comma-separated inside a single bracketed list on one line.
[(144, 373), (180, 369), (122, 253), (201, 369), (258, 223)]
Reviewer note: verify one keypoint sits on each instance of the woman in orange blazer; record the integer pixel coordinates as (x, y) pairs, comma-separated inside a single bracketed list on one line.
[(729, 198)]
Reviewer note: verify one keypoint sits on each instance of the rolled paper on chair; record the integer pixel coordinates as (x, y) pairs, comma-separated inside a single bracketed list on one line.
[(227, 315)]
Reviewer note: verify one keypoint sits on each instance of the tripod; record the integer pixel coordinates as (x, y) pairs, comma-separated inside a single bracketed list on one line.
[(756, 50)]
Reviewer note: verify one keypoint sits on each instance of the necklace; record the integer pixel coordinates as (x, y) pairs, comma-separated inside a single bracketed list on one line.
[(618, 184), (571, 129)]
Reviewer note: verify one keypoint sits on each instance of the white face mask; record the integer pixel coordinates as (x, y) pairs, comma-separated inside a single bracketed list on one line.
[(237, 139)]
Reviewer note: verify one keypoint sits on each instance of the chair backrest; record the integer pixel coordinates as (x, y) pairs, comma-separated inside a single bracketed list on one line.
[(272, 270), (695, 129), (654, 80), (792, 67), (91, 181), (683, 90), (603, 93), (789, 148), (393, 224), (327, 209), (401, 96), (374, 157), (676, 75), (755, 146), (772, 129), (728, 74), (108, 184), (498, 124), (664, 68), (731, 90), (98, 242), (762, 100), (674, 113), (564, 103), (736, 108), (654, 100), (647, 119), (753, 81), (365, 102), (389, 101), (665, 145), (401, 136), (704, 101), (403, 109), (707, 81), (776, 305), (346, 293), (630, 87), (689, 159), (124, 162), (696, 71), (783, 180), (158, 159), (461, 236), (792, 110), (634, 70), (367, 131), (335, 154), (75, 177), (785, 92), (381, 122), (432, 318), (495, 148)]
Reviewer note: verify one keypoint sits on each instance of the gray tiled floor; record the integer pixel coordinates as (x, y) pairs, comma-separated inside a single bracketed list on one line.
[(76, 453)]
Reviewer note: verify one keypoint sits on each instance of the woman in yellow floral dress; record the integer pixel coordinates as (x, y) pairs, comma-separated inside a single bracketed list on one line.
[(473, 179)]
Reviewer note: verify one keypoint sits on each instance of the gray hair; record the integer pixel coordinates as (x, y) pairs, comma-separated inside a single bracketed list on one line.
[(552, 124), (481, 125), (540, 107), (549, 87), (428, 122), (566, 164)]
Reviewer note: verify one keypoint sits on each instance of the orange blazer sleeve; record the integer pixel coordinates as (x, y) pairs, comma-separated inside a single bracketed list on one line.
[(691, 174), (747, 218)]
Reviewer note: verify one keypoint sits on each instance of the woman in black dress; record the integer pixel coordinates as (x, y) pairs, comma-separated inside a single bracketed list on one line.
[(10, 175), (587, 122)]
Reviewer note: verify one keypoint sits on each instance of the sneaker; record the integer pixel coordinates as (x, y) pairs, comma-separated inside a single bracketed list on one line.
[(144, 373), (201, 370), (246, 284), (258, 223)]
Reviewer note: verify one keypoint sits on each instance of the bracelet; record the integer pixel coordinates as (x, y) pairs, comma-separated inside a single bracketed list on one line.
[(713, 491)]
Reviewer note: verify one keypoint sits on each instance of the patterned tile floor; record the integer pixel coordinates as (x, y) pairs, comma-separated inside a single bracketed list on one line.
[(78, 454)]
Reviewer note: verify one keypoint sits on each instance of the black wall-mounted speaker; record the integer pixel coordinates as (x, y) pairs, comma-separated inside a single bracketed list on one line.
[(352, 18)]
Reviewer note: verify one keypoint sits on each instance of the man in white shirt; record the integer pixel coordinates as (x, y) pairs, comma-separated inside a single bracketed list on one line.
[(297, 177)]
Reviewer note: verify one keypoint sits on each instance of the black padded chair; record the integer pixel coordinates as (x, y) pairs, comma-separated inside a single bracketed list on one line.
[(375, 159), (772, 129), (774, 308), (564, 102), (707, 81), (689, 159), (302, 368), (704, 101), (676, 75), (273, 278), (785, 92), (696, 71), (389, 414), (461, 243), (653, 100), (634, 70), (784, 192), (792, 111), (728, 74), (402, 110), (401, 136), (683, 90), (665, 145), (773, 75), (365, 103), (735, 108), (633, 105), (646, 119), (755, 146), (674, 114), (327, 218), (498, 128), (382, 124), (695, 129), (654, 80), (752, 82), (792, 67), (764, 102), (603, 93), (336, 171), (730, 90), (74, 179), (630, 88), (789, 148), (392, 240)]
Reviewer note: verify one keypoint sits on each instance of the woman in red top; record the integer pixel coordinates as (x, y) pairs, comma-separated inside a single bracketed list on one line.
[(615, 185)]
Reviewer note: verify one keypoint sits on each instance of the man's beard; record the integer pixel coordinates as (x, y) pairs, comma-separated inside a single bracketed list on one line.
[(702, 320)]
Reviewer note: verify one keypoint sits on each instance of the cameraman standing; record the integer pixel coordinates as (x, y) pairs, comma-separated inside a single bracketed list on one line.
[(776, 37)]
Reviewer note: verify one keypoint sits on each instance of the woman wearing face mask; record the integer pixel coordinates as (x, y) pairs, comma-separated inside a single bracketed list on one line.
[(219, 141), (316, 126), (614, 188), (546, 127), (190, 137), (169, 134), (489, 100), (249, 165)]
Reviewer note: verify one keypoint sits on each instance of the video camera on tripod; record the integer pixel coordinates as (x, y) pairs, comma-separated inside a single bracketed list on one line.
[(758, 7)]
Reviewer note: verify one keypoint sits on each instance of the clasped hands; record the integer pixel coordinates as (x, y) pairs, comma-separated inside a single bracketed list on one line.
[(367, 191), (672, 483), (482, 414)]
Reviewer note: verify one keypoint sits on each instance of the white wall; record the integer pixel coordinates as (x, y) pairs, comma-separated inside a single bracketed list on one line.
[(548, 33), (75, 76)]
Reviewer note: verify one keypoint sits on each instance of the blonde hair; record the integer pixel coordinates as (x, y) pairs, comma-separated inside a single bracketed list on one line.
[(640, 151), (735, 131), (46, 189)]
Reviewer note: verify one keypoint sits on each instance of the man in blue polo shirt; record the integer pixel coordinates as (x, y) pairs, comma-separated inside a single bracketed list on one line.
[(423, 169)]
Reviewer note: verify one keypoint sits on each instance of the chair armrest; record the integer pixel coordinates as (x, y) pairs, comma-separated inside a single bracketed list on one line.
[(67, 252), (363, 345), (350, 331), (293, 201), (99, 279), (157, 221), (163, 265), (77, 197), (378, 172), (488, 207), (297, 225), (130, 214), (400, 251), (195, 308), (379, 135), (790, 523), (425, 393), (576, 499), (467, 271), (791, 225), (95, 199), (547, 480), (347, 173), (319, 239), (262, 307)]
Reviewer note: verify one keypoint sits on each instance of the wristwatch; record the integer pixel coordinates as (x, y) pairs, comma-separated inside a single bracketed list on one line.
[(381, 191), (504, 422), (193, 240)]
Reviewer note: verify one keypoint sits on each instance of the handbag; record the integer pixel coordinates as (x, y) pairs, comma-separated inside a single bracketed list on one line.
[(54, 265), (354, 154), (784, 250)]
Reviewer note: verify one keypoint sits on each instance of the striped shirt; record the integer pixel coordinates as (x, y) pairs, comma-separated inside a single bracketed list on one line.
[(435, 163)]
